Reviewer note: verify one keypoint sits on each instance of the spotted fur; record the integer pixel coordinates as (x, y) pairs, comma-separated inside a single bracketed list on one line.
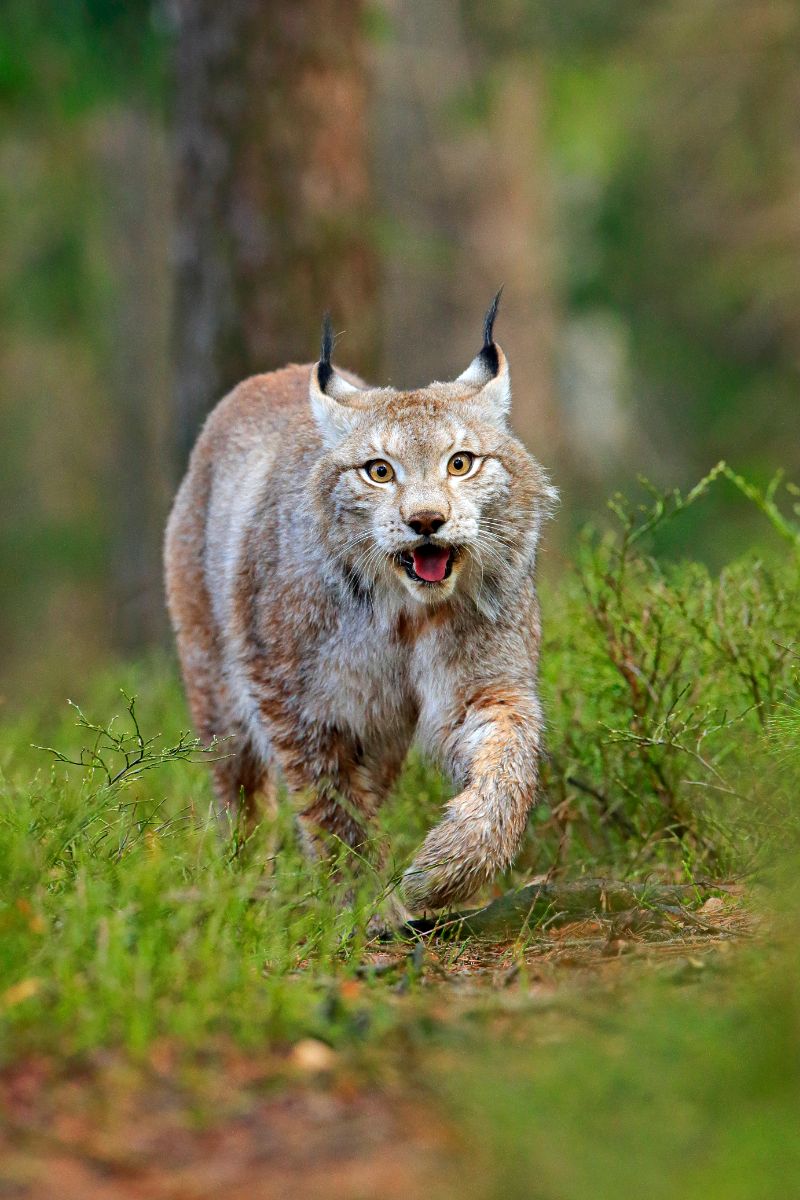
[(303, 634)]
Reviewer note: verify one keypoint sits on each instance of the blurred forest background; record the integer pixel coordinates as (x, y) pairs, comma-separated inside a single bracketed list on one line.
[(185, 186)]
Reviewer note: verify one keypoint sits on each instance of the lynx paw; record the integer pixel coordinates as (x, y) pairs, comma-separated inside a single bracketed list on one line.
[(451, 865), (389, 916)]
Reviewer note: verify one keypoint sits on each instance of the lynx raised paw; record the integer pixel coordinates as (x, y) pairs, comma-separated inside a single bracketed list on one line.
[(455, 860)]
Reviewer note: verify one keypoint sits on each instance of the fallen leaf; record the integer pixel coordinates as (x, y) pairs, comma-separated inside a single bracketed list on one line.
[(313, 1056), (20, 991)]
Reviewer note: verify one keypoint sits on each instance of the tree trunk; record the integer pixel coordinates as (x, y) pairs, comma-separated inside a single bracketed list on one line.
[(467, 206), (273, 194), (133, 161)]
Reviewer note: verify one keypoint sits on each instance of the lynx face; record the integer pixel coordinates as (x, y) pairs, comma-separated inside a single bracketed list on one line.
[(420, 499), (425, 494)]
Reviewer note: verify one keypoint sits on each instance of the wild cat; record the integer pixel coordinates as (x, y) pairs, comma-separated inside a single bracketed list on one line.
[(349, 568)]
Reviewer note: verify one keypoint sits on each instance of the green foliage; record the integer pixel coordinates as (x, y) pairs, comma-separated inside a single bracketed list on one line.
[(665, 171), (662, 682), (670, 167), (68, 57)]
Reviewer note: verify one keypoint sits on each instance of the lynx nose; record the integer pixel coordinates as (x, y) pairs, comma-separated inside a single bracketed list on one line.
[(426, 523)]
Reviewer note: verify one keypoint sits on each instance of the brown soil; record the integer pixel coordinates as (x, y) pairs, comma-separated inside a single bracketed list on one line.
[(302, 1123), (113, 1134)]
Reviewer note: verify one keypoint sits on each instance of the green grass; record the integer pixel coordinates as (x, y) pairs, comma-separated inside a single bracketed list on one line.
[(127, 916), (136, 918), (685, 1086)]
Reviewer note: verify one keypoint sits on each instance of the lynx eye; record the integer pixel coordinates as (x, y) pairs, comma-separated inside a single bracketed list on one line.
[(379, 470), (460, 463)]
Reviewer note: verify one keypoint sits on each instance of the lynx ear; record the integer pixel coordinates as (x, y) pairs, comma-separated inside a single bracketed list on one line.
[(331, 394), (489, 370)]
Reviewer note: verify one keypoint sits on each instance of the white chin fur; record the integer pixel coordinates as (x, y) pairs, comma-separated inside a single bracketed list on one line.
[(429, 594)]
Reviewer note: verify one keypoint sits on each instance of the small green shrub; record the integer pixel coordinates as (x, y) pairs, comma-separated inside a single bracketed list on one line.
[(661, 683)]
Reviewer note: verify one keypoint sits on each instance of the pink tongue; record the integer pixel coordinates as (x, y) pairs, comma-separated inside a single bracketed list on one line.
[(430, 562)]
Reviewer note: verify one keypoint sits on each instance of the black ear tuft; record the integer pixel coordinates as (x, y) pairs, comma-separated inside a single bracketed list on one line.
[(488, 354), (324, 368), (489, 319)]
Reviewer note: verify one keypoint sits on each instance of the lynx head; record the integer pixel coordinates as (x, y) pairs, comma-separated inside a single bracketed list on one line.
[(427, 494)]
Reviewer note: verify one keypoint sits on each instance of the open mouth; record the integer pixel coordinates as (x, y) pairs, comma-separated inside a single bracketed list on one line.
[(428, 563)]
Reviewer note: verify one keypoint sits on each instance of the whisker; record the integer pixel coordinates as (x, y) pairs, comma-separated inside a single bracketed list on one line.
[(348, 546)]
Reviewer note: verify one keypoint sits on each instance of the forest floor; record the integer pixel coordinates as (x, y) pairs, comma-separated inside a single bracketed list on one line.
[(305, 1120)]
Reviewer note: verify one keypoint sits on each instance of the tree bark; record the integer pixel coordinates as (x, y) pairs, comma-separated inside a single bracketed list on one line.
[(467, 208), (273, 193), (132, 157)]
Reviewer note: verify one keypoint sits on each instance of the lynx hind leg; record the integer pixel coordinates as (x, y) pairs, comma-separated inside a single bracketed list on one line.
[(245, 783), (240, 776)]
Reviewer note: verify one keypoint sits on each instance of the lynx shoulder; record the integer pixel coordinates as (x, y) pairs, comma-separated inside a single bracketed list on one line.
[(349, 568)]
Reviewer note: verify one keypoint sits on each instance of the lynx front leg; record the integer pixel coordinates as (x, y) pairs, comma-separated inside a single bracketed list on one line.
[(340, 811), (330, 818), (495, 751), (329, 821), (339, 788)]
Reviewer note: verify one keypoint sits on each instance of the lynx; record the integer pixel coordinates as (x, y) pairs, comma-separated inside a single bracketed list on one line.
[(349, 568)]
